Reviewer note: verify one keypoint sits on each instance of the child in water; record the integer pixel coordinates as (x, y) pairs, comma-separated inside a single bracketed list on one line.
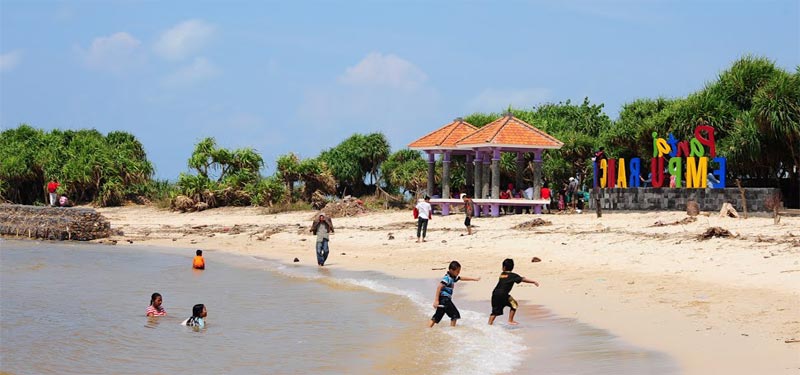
[(155, 308), (199, 263), (500, 295), (443, 302), (198, 317)]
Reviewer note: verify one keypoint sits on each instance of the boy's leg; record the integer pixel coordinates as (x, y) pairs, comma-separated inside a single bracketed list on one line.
[(491, 319), (419, 228), (319, 253), (511, 317), (424, 229), (325, 251)]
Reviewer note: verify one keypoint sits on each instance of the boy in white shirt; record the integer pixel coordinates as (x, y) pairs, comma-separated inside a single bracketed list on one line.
[(424, 209)]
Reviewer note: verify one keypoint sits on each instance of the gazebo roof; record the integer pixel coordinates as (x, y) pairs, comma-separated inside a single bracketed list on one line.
[(444, 138), (511, 132)]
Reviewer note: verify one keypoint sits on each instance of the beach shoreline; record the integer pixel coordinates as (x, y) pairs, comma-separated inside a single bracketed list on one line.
[(722, 304)]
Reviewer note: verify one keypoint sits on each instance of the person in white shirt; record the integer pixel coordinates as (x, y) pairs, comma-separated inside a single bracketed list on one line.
[(424, 209), (529, 192)]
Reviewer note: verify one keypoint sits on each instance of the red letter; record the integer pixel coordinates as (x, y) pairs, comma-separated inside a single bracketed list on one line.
[(712, 148), (612, 173), (657, 172)]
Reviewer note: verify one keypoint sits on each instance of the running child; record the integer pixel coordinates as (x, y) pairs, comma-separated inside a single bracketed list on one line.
[(501, 297), (443, 302)]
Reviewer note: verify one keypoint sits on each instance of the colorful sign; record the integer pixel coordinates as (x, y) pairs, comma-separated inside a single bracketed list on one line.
[(686, 161)]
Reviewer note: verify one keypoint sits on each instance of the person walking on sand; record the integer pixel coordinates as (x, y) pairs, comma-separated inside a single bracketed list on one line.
[(572, 192), (469, 212), (52, 186), (443, 302), (321, 227), (501, 296), (425, 213)]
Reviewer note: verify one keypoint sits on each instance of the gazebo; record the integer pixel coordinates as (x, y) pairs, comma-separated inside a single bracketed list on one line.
[(443, 141), (484, 146)]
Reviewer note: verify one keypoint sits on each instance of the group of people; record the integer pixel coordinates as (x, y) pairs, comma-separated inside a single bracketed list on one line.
[(501, 294), (55, 200), (199, 312)]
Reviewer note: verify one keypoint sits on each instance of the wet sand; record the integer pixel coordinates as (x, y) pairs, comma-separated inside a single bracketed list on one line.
[(716, 305)]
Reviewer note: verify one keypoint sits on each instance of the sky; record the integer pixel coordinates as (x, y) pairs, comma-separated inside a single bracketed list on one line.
[(301, 76)]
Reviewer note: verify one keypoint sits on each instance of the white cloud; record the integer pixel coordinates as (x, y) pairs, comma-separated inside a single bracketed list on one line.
[(384, 70), (115, 52), (183, 40), (495, 100), (10, 60), (200, 69)]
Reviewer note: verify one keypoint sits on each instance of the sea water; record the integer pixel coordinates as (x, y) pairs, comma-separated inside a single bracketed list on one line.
[(79, 309)]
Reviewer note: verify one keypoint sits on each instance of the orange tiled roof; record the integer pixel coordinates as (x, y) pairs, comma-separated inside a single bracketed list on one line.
[(510, 131), (445, 137)]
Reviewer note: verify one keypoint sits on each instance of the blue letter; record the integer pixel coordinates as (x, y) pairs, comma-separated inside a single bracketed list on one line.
[(634, 166)]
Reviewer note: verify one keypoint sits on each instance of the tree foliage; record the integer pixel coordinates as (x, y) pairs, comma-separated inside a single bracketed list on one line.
[(91, 167), (354, 159)]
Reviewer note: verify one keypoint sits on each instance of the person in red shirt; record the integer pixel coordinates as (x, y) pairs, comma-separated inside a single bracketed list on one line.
[(52, 186), (545, 194)]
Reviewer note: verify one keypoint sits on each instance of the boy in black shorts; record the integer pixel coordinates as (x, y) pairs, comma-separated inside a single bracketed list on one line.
[(501, 297), (469, 212), (443, 302)]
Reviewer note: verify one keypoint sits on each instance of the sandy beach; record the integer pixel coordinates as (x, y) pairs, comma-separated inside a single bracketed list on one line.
[(727, 305)]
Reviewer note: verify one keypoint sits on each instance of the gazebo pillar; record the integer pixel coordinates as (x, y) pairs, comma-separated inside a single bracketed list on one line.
[(467, 174), (496, 174), (496, 180), (537, 178), (476, 188), (520, 170), (485, 188), (431, 166), (446, 175)]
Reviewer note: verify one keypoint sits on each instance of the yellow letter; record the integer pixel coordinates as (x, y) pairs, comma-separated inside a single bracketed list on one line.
[(696, 174), (604, 176), (622, 180)]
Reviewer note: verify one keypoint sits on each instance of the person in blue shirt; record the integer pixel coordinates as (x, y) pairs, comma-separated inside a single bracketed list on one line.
[(443, 302), (197, 320)]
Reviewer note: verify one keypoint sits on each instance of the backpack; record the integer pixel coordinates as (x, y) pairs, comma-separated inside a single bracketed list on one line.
[(416, 213)]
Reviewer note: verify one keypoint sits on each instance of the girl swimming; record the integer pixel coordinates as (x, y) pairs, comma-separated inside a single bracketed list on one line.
[(155, 308), (198, 317)]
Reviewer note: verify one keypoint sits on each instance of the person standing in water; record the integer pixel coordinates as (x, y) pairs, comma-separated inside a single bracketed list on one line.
[(155, 308), (321, 227), (443, 302), (199, 263), (199, 314), (500, 295)]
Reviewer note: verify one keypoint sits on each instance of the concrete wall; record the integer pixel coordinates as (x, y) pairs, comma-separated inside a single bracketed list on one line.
[(675, 199), (52, 223)]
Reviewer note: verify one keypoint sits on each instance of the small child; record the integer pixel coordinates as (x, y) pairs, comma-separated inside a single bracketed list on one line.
[(198, 317), (199, 263), (501, 297), (155, 308), (443, 302)]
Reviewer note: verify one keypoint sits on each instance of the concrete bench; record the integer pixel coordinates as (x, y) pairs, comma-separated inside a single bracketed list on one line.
[(492, 204)]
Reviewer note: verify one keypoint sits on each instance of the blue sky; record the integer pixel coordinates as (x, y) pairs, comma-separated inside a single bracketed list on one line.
[(302, 76)]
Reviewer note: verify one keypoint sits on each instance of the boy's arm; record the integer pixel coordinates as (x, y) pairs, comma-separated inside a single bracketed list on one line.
[(464, 278), (529, 281), (436, 299)]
